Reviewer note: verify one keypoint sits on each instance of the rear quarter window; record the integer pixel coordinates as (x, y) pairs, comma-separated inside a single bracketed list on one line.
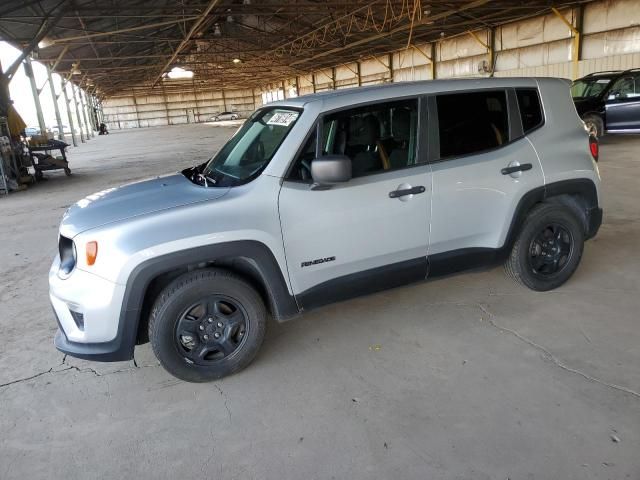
[(530, 108)]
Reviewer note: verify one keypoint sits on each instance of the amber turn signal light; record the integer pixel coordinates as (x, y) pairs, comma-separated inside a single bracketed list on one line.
[(92, 252)]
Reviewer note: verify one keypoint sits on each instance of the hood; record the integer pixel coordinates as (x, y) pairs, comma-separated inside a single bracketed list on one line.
[(132, 200)]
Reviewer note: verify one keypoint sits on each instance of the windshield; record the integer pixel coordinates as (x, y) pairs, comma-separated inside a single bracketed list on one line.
[(251, 148), (589, 87)]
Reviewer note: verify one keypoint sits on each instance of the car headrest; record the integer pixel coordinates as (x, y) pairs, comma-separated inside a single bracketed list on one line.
[(364, 131), (401, 124)]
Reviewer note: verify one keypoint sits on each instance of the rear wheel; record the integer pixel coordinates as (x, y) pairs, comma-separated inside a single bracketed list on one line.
[(206, 325), (594, 125), (548, 249)]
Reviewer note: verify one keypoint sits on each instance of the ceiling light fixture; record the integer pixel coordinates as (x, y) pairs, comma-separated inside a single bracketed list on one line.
[(45, 42), (179, 73), (236, 60)]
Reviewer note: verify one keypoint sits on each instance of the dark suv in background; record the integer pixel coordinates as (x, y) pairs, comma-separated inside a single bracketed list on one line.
[(609, 102)]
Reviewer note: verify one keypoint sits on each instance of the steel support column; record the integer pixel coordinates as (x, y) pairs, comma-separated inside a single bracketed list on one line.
[(87, 127), (54, 97), (75, 102), (359, 74), (576, 46), (69, 115), (28, 70), (432, 65)]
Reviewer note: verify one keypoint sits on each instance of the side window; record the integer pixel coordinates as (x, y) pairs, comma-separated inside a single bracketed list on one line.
[(625, 87), (375, 137), (472, 122), (530, 109)]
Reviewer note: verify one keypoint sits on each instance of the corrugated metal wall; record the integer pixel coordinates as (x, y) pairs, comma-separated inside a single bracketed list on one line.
[(177, 102), (540, 46)]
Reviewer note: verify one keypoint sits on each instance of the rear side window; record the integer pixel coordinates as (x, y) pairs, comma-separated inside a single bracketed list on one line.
[(530, 109), (472, 122)]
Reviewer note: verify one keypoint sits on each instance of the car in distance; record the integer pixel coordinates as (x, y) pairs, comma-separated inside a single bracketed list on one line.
[(225, 116), (65, 129), (31, 131), (609, 102), (321, 198)]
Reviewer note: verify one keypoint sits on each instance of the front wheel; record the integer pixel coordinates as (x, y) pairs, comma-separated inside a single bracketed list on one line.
[(548, 248), (207, 324)]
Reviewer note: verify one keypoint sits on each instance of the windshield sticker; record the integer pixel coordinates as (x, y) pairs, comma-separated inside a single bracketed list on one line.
[(283, 119)]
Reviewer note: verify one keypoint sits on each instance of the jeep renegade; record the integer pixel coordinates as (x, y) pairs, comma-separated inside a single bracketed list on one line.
[(322, 198)]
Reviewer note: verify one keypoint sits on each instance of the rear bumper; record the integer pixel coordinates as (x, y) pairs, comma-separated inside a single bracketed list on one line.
[(594, 220)]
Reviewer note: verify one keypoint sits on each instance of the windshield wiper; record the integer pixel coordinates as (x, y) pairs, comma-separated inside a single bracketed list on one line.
[(206, 179)]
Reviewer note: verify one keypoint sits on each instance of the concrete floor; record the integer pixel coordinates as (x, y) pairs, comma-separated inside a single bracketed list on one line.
[(469, 377)]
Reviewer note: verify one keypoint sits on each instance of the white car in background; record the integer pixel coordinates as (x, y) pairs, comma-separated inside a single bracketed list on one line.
[(225, 116), (65, 129)]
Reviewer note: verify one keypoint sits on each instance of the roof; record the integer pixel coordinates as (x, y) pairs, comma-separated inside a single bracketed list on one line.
[(121, 44), (339, 98)]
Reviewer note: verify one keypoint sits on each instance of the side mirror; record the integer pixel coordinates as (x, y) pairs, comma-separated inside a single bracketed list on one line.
[(330, 169)]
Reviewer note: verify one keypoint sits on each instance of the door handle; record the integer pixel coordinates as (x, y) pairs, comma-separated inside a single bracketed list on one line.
[(516, 168), (407, 191)]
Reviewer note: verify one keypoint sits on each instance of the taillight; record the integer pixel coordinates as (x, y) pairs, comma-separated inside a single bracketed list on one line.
[(594, 148)]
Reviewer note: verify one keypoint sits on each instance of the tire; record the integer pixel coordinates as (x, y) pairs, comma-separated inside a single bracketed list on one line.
[(546, 227), (216, 119), (234, 117), (183, 316), (67, 171), (594, 124)]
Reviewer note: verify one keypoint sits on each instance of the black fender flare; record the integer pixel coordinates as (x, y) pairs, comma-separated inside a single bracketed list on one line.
[(256, 257), (575, 186)]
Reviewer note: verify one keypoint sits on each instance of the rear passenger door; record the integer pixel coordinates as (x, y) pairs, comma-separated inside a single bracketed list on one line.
[(483, 166)]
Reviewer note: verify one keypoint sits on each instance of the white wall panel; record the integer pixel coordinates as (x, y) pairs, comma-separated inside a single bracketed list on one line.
[(610, 15), (461, 47)]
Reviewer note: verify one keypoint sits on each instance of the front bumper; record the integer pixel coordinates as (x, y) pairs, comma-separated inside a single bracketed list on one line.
[(594, 220), (88, 312)]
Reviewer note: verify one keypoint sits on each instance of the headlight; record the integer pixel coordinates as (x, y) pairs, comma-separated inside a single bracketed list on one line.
[(68, 257)]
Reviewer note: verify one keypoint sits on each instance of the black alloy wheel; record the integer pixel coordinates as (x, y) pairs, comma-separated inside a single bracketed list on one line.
[(211, 330), (207, 324), (550, 250)]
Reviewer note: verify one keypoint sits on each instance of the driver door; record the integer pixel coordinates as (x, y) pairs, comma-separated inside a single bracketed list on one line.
[(359, 236)]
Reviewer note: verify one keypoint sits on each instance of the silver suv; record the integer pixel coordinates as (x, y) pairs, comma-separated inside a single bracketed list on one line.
[(322, 198)]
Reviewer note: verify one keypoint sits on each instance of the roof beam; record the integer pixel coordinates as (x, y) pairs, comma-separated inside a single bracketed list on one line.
[(122, 30), (429, 20), (192, 30), (46, 26)]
